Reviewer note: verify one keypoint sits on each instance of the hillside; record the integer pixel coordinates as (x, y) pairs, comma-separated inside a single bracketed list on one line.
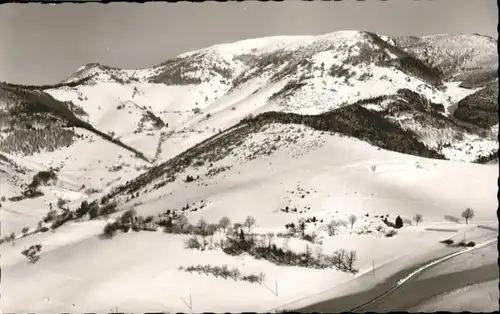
[(40, 133), (309, 174)]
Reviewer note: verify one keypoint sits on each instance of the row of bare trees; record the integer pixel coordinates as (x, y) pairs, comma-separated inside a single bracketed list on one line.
[(224, 272), (334, 225)]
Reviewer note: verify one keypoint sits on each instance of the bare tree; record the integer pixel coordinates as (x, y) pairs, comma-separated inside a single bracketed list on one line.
[(261, 240), (249, 222), (182, 221), (308, 252), (332, 227), (236, 227), (352, 220), (202, 226), (270, 236), (224, 271), (417, 218), (319, 252), (350, 258), (235, 274), (468, 213), (262, 277), (343, 223), (407, 221), (338, 258), (224, 223), (211, 229)]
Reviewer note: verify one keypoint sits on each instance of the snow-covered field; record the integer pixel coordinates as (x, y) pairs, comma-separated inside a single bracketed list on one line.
[(349, 177), (480, 298), (136, 271)]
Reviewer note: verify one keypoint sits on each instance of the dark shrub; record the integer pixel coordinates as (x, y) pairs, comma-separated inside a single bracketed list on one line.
[(32, 253), (83, 209), (193, 243), (108, 209), (109, 230), (447, 241), (391, 233), (32, 193), (93, 210), (251, 278), (128, 217), (308, 237), (62, 219), (51, 216), (135, 228), (61, 203)]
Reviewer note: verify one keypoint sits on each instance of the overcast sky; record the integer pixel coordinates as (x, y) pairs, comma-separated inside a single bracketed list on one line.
[(43, 44)]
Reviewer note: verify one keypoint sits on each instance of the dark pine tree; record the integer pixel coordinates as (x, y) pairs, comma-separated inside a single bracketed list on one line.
[(398, 222), (242, 235)]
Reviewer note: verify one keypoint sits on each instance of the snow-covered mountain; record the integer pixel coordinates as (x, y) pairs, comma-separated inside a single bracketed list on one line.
[(327, 126), (216, 87)]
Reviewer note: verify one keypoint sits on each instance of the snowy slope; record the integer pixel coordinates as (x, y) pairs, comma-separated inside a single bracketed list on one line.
[(82, 174), (283, 152), (333, 176)]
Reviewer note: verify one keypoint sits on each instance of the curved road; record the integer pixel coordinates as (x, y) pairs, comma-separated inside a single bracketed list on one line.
[(415, 291), (409, 295)]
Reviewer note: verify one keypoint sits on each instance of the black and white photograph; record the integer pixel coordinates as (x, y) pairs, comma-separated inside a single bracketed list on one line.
[(249, 156)]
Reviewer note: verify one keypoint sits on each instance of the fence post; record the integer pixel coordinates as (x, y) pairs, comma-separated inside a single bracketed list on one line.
[(190, 305)]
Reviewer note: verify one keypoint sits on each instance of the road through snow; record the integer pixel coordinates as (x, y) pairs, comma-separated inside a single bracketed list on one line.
[(403, 290), (370, 289)]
